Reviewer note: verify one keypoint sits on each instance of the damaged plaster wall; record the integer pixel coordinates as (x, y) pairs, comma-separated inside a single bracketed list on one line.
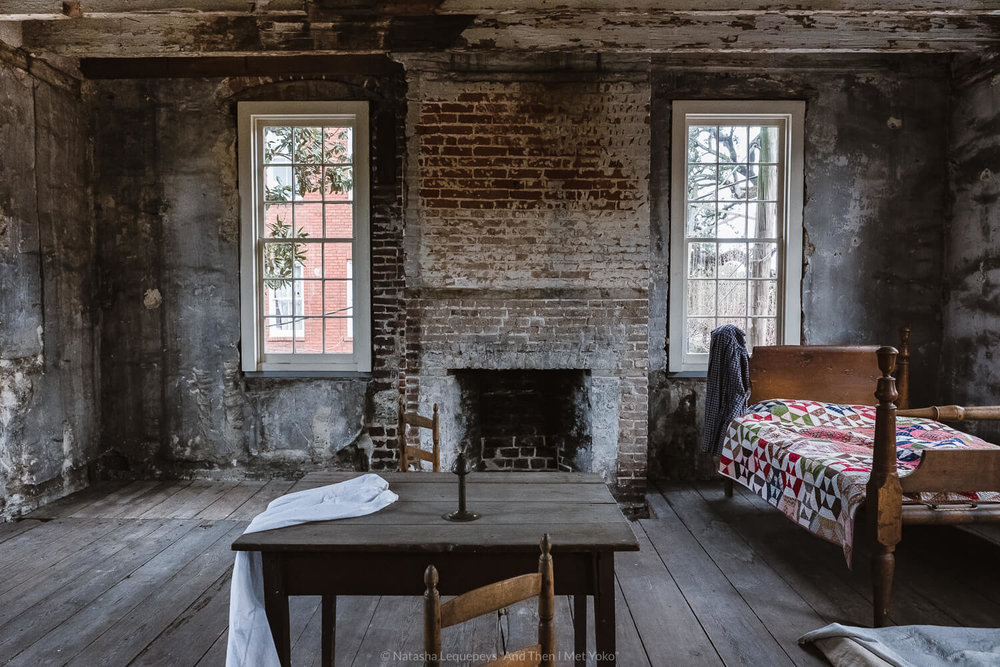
[(176, 402), (48, 376), (875, 206), (972, 309)]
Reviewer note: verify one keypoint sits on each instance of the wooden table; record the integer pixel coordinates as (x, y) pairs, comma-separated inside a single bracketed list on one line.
[(386, 553)]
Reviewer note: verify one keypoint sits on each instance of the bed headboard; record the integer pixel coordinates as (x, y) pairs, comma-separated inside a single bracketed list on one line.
[(846, 374)]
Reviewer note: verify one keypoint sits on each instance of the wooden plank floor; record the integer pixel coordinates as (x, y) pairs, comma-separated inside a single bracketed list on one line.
[(138, 573)]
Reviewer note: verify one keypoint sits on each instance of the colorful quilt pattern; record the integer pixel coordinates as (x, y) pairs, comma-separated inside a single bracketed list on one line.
[(812, 460)]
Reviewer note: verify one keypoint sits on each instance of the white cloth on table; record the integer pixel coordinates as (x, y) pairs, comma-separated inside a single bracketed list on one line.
[(250, 640)]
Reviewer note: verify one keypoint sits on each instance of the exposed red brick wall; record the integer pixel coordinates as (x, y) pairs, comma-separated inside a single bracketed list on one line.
[(527, 240)]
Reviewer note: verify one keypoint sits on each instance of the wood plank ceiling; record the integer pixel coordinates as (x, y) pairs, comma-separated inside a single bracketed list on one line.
[(154, 28)]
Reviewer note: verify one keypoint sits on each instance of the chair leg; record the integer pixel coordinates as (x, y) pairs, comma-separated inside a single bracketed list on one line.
[(728, 487), (883, 568)]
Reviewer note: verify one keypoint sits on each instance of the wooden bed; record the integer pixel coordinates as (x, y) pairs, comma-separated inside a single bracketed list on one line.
[(847, 375)]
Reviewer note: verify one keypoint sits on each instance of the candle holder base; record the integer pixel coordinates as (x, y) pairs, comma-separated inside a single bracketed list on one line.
[(461, 516)]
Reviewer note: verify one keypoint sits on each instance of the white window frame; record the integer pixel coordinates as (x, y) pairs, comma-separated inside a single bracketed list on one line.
[(790, 115), (251, 118)]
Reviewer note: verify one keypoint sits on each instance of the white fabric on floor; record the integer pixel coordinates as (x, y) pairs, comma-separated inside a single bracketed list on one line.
[(911, 645), (250, 641)]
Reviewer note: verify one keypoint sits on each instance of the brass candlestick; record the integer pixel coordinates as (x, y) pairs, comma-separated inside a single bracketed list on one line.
[(461, 469)]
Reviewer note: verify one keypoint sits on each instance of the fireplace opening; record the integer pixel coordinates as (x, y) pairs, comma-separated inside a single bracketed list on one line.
[(525, 419)]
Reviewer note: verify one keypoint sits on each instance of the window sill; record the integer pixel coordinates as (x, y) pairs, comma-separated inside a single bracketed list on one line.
[(687, 374), (291, 375)]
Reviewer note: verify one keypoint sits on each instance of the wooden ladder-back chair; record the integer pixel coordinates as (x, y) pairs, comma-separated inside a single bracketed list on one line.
[(491, 598), (408, 453)]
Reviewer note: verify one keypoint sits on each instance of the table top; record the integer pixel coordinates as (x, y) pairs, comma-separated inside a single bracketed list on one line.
[(576, 509)]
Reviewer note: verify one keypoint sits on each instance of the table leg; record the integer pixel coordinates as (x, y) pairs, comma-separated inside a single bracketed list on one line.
[(329, 620), (604, 609), (276, 606), (580, 629)]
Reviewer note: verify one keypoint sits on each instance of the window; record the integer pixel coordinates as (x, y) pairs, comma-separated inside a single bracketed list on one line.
[(304, 261), (736, 225)]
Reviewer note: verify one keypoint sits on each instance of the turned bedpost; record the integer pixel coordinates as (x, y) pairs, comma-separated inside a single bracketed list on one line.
[(546, 605), (903, 369), (884, 498), (432, 618)]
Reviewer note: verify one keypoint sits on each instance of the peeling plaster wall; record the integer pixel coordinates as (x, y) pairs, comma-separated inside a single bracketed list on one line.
[(176, 402), (875, 207), (48, 376), (972, 265)]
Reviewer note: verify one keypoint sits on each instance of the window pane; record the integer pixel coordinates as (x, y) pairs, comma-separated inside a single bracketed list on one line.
[(763, 220), (701, 221), (732, 260), (732, 297), (338, 183), (337, 260), (763, 182), (277, 336), (702, 145), (733, 145), (732, 220), (701, 183), (308, 220), (764, 297), (308, 182), (735, 321), (280, 260), (339, 338), (311, 259), (277, 144), (699, 334), (764, 144), (763, 331), (764, 260), (339, 221), (277, 184), (337, 144), (308, 145), (277, 221), (701, 260), (338, 298), (732, 182), (701, 298)]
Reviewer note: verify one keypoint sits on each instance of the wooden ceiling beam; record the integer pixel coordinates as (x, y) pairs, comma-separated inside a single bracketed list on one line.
[(151, 35)]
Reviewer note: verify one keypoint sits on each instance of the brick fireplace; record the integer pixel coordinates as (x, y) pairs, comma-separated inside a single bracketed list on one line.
[(527, 267), (526, 420)]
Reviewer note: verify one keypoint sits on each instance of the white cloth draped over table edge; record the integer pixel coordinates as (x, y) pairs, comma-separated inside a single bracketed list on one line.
[(250, 641)]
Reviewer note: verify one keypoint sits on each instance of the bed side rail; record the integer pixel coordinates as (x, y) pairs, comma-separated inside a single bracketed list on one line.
[(954, 469)]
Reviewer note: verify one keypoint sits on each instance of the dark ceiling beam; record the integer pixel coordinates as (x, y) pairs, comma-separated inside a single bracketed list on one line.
[(227, 66), (150, 35)]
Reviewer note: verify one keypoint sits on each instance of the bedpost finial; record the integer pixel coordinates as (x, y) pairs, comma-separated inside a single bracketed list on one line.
[(431, 577), (904, 338), (886, 359)]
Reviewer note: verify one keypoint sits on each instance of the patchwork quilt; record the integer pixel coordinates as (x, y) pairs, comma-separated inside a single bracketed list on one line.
[(812, 460)]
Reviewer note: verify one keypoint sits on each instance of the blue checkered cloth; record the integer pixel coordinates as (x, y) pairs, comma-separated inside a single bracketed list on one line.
[(728, 385)]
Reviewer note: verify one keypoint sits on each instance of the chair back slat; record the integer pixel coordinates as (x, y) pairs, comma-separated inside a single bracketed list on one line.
[(488, 599), (408, 453)]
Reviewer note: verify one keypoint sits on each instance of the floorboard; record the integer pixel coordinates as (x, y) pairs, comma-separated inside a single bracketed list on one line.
[(717, 581)]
